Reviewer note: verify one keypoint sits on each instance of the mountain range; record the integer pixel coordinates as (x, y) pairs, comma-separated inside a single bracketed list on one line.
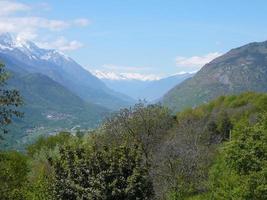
[(139, 88), (239, 70), (58, 93), (26, 57)]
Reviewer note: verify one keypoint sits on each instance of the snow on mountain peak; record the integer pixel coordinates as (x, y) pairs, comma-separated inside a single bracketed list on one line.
[(6, 39), (124, 76), (30, 49)]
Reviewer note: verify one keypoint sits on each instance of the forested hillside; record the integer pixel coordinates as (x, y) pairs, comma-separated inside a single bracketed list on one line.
[(215, 151), (48, 108)]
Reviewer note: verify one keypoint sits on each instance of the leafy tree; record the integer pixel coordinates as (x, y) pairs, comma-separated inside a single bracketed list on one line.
[(10, 99), (39, 181), (224, 126), (219, 130), (241, 171), (103, 174), (142, 125), (13, 175), (48, 143)]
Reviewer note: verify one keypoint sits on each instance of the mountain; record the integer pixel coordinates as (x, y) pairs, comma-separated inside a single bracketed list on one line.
[(26, 57), (156, 89), (241, 69), (141, 87), (48, 107), (58, 93)]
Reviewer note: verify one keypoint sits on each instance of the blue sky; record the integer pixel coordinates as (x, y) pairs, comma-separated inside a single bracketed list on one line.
[(159, 37)]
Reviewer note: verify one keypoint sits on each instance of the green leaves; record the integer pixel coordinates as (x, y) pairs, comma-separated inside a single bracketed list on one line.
[(241, 170), (247, 152), (13, 175), (108, 173), (10, 99)]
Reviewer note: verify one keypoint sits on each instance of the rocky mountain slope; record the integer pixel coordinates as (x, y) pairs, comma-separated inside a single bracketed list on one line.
[(241, 69)]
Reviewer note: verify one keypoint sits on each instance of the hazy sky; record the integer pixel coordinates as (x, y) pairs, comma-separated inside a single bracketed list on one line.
[(159, 37)]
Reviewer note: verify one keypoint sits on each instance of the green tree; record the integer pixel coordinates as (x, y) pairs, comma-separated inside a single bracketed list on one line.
[(10, 99), (104, 174), (13, 175), (142, 125), (241, 170), (47, 144), (224, 126)]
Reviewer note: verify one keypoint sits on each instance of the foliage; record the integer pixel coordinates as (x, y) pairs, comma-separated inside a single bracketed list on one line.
[(13, 175), (142, 125), (214, 151), (241, 171), (48, 143), (101, 174), (190, 147), (10, 99)]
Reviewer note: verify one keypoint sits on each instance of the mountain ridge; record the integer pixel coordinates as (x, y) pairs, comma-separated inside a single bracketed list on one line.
[(150, 90), (240, 69), (28, 57), (48, 107)]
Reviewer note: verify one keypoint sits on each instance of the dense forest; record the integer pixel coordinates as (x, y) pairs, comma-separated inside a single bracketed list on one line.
[(214, 151)]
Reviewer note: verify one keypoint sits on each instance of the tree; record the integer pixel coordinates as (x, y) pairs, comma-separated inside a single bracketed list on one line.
[(183, 158), (47, 144), (104, 174), (224, 126), (142, 125), (13, 175), (10, 99), (241, 170)]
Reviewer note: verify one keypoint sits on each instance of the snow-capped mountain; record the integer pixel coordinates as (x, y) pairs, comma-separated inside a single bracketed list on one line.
[(29, 49), (26, 57), (139, 86), (104, 75)]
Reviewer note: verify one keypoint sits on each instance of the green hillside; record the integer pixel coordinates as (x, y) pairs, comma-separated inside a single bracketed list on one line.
[(49, 108)]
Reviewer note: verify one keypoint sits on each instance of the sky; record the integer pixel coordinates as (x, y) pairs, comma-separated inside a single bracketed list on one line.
[(144, 38)]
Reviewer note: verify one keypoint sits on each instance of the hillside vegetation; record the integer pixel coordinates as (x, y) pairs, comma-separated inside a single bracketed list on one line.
[(215, 151), (48, 108)]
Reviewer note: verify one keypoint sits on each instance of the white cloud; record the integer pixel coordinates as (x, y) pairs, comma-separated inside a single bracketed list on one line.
[(195, 62), (42, 6), (10, 7), (29, 27), (81, 22), (124, 76), (32, 24), (61, 44), (26, 35)]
